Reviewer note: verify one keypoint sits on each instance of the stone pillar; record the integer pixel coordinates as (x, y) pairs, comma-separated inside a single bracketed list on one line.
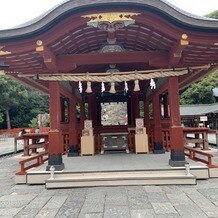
[(55, 134), (177, 157), (158, 144)]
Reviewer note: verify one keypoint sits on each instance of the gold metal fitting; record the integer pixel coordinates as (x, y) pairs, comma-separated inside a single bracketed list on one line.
[(39, 42), (184, 36)]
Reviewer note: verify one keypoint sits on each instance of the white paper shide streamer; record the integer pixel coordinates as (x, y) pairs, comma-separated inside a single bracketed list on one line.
[(80, 87), (102, 87), (152, 84)]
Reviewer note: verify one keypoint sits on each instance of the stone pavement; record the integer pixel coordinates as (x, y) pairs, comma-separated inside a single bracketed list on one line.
[(199, 200)]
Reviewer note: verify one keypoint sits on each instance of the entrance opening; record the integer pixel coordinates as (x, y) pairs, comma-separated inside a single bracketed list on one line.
[(114, 113)]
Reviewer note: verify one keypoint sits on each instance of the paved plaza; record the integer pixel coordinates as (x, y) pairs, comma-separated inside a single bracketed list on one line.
[(199, 200)]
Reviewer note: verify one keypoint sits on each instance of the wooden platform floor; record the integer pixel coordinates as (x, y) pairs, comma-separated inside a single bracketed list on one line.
[(118, 162)]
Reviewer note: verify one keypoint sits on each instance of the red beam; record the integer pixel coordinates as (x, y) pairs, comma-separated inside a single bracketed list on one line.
[(49, 58), (153, 58)]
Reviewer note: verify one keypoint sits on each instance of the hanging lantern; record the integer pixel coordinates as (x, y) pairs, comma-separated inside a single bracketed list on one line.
[(112, 89), (102, 87), (126, 87), (152, 84), (80, 87), (89, 88), (136, 88)]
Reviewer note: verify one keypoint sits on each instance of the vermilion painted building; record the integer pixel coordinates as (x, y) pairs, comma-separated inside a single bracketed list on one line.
[(119, 45)]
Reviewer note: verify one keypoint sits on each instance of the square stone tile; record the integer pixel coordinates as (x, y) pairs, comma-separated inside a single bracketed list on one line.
[(48, 213), (38, 202), (27, 213), (149, 189), (155, 197), (144, 213), (116, 212), (139, 203), (70, 209), (116, 200), (163, 208), (190, 211), (9, 212), (177, 199), (205, 204), (92, 207), (91, 215), (55, 202)]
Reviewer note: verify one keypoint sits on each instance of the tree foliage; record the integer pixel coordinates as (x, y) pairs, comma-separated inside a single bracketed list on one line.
[(200, 92), (22, 103), (213, 14)]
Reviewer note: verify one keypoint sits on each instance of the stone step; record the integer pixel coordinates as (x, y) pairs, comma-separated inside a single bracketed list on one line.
[(123, 178), (39, 177)]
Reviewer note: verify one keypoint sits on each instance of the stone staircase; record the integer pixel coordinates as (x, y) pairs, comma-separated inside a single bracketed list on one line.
[(121, 178)]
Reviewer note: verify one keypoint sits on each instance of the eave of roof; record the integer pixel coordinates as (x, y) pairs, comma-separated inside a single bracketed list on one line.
[(69, 7), (199, 109)]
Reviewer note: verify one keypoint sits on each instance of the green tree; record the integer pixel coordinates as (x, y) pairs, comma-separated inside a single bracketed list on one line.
[(213, 14), (11, 94), (18, 104), (200, 92)]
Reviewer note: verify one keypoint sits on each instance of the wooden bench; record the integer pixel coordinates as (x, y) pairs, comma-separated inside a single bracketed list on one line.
[(39, 145), (197, 140), (191, 153), (35, 146), (40, 159), (34, 138)]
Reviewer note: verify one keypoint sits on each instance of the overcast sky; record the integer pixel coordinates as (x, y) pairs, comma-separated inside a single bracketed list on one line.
[(16, 12)]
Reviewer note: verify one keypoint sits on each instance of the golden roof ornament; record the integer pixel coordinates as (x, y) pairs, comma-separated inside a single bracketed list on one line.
[(111, 21), (111, 17)]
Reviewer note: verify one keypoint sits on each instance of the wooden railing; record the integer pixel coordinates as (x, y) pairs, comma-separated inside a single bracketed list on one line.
[(166, 139), (39, 158), (131, 141), (192, 152), (65, 138)]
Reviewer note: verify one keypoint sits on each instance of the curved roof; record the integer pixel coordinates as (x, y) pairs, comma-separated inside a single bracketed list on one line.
[(67, 8), (70, 45)]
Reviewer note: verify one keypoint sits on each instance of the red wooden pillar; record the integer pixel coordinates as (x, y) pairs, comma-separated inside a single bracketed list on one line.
[(146, 114), (82, 114), (55, 135), (73, 132), (165, 105), (92, 109), (129, 110), (177, 157), (135, 101), (158, 144)]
